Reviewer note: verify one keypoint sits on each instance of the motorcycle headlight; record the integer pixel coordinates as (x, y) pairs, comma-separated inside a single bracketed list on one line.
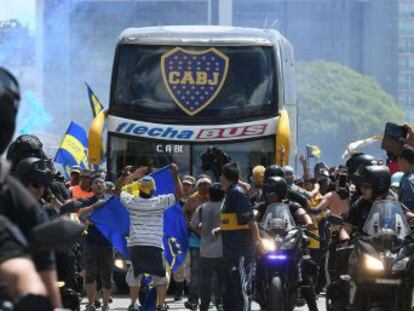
[(61, 284), (268, 245), (120, 264), (400, 265), (372, 263)]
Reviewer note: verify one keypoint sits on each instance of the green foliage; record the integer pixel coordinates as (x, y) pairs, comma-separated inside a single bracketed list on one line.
[(337, 105)]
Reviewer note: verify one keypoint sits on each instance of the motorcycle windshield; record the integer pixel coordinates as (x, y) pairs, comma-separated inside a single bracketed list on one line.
[(387, 217), (277, 215)]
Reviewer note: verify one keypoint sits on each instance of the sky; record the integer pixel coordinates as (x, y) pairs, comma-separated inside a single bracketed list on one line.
[(22, 10)]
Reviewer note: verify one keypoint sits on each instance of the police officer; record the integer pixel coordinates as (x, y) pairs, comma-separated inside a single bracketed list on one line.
[(16, 204), (374, 184), (353, 164), (276, 190), (294, 193)]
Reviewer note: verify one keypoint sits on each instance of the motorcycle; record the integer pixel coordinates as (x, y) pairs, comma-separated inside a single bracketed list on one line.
[(279, 271), (380, 270)]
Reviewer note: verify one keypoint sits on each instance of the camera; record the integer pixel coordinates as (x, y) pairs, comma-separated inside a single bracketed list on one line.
[(214, 159)]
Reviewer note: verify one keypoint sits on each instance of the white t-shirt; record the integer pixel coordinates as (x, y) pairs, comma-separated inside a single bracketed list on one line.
[(146, 218)]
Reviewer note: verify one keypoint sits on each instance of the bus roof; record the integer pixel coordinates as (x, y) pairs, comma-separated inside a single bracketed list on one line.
[(200, 36)]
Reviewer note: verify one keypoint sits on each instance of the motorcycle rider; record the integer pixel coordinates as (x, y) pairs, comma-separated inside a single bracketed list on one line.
[(20, 208), (353, 164), (276, 191), (294, 193), (374, 184)]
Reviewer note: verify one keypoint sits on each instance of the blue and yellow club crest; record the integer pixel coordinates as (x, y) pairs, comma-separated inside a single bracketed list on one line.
[(194, 78)]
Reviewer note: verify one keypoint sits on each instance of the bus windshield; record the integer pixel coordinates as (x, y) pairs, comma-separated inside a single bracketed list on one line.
[(156, 154), (248, 89)]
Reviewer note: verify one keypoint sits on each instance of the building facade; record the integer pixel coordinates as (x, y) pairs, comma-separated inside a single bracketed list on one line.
[(406, 57)]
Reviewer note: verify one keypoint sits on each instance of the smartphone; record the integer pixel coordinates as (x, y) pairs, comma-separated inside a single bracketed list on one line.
[(392, 138), (342, 180)]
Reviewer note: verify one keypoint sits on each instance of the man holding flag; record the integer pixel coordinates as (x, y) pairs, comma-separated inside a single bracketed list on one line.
[(146, 232)]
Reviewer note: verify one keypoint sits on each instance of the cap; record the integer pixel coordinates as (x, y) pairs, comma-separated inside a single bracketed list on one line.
[(86, 173), (258, 170), (407, 153), (147, 185), (75, 169), (203, 180), (187, 179), (258, 174), (396, 179), (98, 176)]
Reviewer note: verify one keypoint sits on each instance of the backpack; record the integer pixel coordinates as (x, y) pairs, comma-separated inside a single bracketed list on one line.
[(23, 147)]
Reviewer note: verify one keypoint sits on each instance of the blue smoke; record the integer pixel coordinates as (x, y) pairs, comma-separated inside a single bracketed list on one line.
[(32, 116)]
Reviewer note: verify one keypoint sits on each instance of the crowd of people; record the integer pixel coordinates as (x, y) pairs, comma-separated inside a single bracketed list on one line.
[(223, 217)]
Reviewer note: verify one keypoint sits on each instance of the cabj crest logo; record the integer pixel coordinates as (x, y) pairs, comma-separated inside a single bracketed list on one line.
[(194, 78)]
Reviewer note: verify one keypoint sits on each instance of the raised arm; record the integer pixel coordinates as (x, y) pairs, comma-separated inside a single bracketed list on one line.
[(127, 177), (178, 186), (306, 174)]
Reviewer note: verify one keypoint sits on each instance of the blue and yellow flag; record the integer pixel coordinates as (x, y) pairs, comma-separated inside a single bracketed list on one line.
[(112, 219), (313, 151), (73, 148), (96, 104)]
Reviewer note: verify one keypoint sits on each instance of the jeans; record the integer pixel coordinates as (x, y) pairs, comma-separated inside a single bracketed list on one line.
[(238, 276), (194, 288), (209, 268)]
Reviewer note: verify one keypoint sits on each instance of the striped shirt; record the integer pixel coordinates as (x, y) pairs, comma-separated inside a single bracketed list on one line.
[(146, 218)]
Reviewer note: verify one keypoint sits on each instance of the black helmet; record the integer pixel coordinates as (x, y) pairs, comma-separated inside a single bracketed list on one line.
[(276, 186), (25, 146), (273, 170), (9, 103), (359, 159), (377, 176), (34, 170)]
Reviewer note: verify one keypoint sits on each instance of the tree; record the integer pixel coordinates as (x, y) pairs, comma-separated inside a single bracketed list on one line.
[(337, 105)]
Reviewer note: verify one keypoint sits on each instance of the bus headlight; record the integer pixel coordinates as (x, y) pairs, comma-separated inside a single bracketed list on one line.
[(120, 264), (268, 245), (372, 263)]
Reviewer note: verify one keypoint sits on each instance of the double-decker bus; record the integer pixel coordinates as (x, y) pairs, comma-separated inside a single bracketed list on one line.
[(177, 90)]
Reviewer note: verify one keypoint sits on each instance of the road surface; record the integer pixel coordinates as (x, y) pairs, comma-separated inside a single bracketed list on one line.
[(121, 303)]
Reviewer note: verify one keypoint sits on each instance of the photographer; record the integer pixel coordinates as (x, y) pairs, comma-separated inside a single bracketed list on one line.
[(214, 159)]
